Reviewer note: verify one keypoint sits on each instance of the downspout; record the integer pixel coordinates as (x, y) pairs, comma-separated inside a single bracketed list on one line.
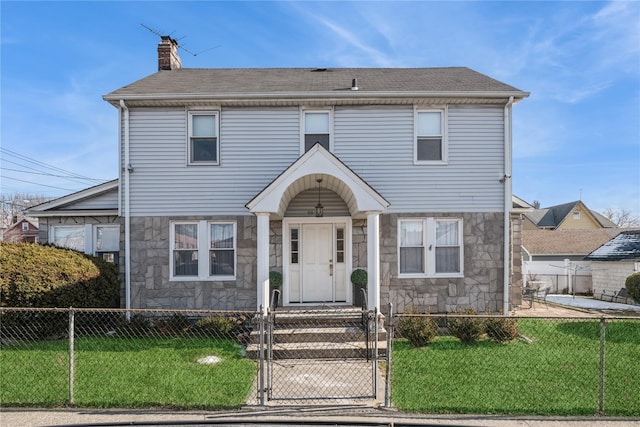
[(127, 210), (507, 204)]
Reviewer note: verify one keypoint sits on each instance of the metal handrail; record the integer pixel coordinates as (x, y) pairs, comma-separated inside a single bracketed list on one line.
[(365, 320)]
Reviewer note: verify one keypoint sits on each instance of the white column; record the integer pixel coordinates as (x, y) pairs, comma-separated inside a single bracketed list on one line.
[(262, 264), (373, 259)]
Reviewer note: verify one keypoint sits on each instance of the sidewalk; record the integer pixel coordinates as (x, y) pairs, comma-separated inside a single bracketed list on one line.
[(318, 416)]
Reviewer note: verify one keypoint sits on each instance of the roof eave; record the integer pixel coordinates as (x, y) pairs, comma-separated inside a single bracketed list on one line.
[(114, 97)]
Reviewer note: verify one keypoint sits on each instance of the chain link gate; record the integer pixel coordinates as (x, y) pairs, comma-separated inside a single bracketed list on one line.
[(321, 356)]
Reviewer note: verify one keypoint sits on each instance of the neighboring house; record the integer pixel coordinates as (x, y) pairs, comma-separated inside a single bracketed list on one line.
[(86, 221), (519, 208), (227, 174), (614, 261), (550, 255), (568, 216), (22, 231)]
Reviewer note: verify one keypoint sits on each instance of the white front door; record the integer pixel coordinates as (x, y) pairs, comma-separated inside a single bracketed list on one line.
[(317, 263)]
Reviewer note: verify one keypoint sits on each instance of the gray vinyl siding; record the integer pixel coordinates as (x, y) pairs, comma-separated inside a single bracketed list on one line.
[(377, 144), (257, 144)]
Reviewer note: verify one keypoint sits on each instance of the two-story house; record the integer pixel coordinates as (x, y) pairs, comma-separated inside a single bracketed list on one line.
[(228, 174)]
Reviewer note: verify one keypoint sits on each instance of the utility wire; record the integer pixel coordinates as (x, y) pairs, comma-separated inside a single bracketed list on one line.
[(44, 173), (42, 164), (36, 183)]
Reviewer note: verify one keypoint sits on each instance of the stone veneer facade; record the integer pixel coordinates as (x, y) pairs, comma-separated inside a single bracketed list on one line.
[(480, 288)]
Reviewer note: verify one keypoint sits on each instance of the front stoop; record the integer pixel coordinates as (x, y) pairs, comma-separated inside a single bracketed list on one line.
[(315, 334)]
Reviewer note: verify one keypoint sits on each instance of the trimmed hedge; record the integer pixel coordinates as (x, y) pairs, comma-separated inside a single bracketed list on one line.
[(33, 275), (633, 286)]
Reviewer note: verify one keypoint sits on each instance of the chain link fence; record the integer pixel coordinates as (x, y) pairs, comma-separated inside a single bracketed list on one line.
[(515, 365), (414, 362)]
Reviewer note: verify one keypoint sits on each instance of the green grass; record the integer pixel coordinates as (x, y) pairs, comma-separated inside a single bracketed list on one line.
[(557, 373), (138, 372)]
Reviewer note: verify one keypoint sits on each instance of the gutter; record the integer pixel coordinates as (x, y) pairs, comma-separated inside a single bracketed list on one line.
[(127, 209), (364, 95), (507, 203)]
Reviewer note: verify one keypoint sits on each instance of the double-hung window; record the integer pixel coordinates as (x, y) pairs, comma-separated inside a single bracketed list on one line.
[(203, 250), (204, 147), (222, 249), (430, 136), (430, 247), (317, 129)]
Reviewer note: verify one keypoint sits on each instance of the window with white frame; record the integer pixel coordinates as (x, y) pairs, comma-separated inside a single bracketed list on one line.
[(101, 240), (430, 140), (107, 244), (222, 249), (430, 247), (317, 129), (204, 147), (203, 250), (71, 237)]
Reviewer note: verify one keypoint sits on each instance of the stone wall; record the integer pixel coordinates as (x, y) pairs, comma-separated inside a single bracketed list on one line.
[(150, 257), (482, 285), (515, 286)]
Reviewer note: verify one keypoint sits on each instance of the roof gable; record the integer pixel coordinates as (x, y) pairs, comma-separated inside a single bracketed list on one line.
[(301, 175), (77, 203)]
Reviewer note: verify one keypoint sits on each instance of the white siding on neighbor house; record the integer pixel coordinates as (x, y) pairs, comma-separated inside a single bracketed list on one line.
[(108, 200), (258, 144)]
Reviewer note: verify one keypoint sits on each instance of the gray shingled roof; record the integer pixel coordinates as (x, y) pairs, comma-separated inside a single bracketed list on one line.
[(275, 81), (624, 247)]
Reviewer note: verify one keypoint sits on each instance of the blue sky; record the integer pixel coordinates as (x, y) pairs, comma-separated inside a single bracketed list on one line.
[(576, 136)]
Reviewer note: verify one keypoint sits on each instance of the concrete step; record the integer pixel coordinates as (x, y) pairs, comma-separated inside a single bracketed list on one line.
[(318, 350), (319, 334)]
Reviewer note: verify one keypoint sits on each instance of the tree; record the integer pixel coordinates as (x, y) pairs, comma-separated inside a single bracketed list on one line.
[(12, 206), (622, 217)]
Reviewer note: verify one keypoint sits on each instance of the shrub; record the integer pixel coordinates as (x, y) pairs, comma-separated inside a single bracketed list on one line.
[(275, 279), (418, 329), (33, 275), (501, 329), (633, 286), (359, 277), (217, 326), (176, 325), (467, 329)]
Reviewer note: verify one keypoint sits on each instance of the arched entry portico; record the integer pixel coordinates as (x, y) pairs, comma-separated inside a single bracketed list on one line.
[(361, 200)]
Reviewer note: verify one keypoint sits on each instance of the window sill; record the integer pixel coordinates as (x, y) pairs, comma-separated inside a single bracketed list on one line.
[(202, 279), (431, 276), (430, 162), (204, 164)]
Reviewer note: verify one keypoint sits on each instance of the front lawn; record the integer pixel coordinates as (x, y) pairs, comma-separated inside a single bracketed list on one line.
[(555, 371), (127, 372)]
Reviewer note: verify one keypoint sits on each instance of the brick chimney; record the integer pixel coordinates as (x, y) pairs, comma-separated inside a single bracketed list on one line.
[(168, 58)]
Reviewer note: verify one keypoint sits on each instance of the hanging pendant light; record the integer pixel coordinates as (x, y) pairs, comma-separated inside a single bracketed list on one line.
[(319, 207)]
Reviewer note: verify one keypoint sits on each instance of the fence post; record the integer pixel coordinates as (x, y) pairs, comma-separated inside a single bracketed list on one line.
[(387, 380), (261, 352), (603, 328), (375, 353), (71, 353)]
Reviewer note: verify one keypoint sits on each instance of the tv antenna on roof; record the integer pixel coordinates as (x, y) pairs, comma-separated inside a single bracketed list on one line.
[(180, 46)]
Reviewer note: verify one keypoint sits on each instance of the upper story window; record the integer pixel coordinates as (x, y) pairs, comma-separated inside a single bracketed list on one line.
[(204, 147), (431, 137), (25, 226), (430, 247), (576, 214), (317, 129)]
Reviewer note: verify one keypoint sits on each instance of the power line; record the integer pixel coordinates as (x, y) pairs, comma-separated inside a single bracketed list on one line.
[(42, 164), (36, 183), (43, 173)]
